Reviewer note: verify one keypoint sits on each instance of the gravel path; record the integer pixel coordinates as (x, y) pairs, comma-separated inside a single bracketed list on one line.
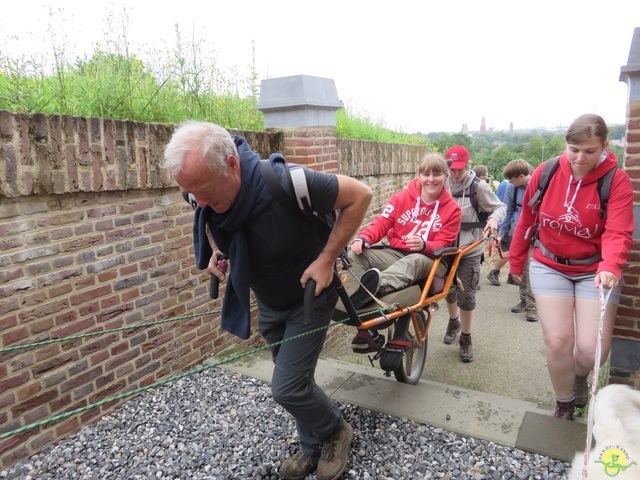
[(217, 425)]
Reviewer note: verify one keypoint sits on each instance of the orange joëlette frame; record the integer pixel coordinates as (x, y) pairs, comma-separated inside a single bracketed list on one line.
[(425, 300)]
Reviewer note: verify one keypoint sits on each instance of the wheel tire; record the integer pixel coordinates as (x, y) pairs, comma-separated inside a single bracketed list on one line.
[(415, 357)]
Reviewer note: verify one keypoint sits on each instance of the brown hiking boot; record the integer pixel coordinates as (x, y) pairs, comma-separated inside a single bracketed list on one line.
[(335, 453), (511, 280), (519, 308), (452, 330), (532, 315), (581, 390), (466, 350), (564, 410), (298, 466), (494, 277)]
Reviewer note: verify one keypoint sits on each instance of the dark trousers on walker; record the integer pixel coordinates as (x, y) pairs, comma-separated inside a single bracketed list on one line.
[(293, 384), (524, 288)]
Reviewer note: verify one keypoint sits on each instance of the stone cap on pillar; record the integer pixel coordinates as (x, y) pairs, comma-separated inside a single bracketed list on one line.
[(630, 73), (299, 101)]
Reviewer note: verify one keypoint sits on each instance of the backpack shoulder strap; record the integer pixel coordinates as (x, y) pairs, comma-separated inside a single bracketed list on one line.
[(473, 198), (299, 181), (604, 189), (273, 183), (473, 195), (549, 168)]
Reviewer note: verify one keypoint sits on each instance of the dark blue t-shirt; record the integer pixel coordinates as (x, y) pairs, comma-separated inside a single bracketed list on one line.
[(282, 245)]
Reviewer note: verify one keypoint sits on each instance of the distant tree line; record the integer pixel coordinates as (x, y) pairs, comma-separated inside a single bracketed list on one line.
[(496, 149)]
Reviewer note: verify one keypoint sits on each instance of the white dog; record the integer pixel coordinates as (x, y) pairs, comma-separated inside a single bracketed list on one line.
[(616, 431)]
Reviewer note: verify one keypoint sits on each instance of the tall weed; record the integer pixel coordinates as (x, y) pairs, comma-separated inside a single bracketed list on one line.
[(183, 82)]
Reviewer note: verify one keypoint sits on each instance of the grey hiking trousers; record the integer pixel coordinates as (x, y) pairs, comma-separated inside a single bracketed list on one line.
[(524, 288), (293, 385)]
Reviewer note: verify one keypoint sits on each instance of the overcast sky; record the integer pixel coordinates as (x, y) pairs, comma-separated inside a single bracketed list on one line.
[(415, 66)]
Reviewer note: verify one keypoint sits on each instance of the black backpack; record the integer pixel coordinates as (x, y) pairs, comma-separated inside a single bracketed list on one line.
[(296, 199), (473, 198), (550, 167)]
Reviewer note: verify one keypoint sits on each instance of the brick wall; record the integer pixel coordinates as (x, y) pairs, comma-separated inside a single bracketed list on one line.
[(625, 350), (94, 236)]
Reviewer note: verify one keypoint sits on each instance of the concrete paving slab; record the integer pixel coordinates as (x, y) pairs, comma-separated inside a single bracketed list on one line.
[(502, 420), (551, 437)]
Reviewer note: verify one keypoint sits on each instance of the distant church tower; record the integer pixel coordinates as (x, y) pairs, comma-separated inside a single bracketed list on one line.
[(483, 126), (511, 127), (465, 129)]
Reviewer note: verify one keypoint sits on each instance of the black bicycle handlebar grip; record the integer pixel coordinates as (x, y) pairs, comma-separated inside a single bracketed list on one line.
[(214, 285), (214, 282), (309, 296)]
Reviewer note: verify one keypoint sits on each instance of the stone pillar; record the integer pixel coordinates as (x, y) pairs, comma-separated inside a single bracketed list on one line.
[(298, 101), (625, 348), (304, 109)]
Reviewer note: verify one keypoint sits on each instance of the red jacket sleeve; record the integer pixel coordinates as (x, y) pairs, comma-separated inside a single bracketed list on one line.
[(380, 226)]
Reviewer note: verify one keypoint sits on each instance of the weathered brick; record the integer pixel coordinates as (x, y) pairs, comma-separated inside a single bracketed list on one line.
[(54, 362), (14, 335), (20, 407), (43, 310), (35, 253), (80, 379), (28, 390)]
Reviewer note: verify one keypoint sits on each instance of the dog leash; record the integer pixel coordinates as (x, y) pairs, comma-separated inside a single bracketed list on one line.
[(594, 382)]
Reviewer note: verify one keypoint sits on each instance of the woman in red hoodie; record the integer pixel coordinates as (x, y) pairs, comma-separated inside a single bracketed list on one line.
[(575, 252), (417, 220)]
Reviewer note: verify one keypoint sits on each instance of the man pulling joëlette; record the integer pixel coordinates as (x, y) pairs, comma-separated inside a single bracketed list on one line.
[(275, 253)]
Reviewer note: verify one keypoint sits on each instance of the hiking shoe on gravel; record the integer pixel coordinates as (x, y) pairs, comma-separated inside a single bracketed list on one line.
[(494, 277), (335, 453), (367, 341), (298, 466), (581, 390), (511, 280), (519, 308), (370, 281), (466, 350), (453, 329), (532, 315), (564, 410)]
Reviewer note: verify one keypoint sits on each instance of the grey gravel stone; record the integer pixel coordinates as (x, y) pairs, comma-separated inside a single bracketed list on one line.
[(218, 425)]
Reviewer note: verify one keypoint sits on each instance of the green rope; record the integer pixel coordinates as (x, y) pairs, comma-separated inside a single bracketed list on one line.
[(193, 371), (103, 332)]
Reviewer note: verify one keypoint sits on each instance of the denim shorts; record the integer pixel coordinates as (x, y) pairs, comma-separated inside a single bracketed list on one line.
[(545, 280)]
